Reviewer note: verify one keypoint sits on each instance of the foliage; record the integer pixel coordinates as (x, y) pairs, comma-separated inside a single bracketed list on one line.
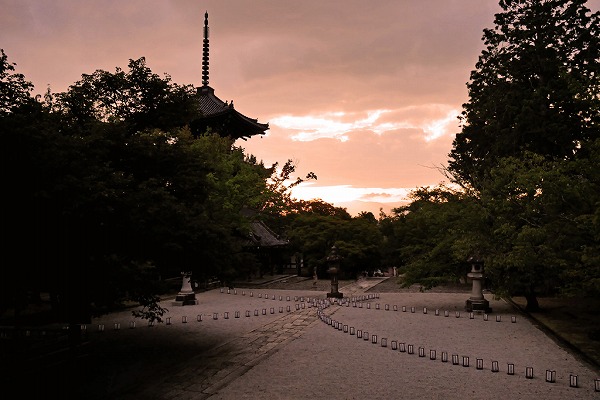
[(110, 198), (315, 227), (138, 98), (434, 235), (15, 91), (278, 199), (528, 136), (535, 88)]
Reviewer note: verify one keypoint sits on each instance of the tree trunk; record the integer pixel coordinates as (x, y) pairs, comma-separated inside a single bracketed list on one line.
[(532, 302)]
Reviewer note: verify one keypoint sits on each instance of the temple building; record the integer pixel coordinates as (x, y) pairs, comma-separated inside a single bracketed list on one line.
[(220, 116)]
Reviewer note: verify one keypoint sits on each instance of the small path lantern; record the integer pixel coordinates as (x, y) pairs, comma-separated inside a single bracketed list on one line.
[(477, 303), (333, 259)]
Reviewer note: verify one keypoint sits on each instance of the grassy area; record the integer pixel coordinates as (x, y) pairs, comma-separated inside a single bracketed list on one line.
[(576, 322)]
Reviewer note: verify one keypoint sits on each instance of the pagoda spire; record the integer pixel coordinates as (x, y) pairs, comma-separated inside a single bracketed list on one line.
[(205, 52)]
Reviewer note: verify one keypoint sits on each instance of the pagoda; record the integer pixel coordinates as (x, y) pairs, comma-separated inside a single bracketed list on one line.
[(216, 115)]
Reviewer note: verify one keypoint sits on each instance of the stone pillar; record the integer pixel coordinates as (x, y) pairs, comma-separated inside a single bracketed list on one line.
[(477, 302), (186, 295), (333, 259)]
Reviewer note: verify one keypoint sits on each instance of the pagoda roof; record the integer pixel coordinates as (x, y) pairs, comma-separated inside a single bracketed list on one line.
[(221, 117)]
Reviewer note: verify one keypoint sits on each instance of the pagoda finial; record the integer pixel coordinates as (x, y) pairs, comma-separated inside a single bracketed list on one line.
[(205, 52)]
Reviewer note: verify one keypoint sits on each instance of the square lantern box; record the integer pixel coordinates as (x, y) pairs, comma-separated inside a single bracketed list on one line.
[(529, 372), (495, 367), (510, 369), (573, 381), (550, 376)]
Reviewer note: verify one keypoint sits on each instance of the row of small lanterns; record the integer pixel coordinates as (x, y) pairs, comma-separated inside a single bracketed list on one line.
[(409, 348)]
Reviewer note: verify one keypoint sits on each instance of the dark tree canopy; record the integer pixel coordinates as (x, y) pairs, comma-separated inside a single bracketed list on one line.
[(531, 123), (535, 88), (138, 98), (15, 91)]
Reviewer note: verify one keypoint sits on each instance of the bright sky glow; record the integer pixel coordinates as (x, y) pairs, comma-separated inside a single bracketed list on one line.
[(347, 193), (438, 128), (333, 125), (366, 96)]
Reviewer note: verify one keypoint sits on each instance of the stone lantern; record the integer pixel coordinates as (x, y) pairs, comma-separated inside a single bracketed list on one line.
[(186, 295), (477, 303), (333, 259)]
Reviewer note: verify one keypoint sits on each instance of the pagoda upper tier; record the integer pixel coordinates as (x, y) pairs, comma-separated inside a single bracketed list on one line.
[(220, 116)]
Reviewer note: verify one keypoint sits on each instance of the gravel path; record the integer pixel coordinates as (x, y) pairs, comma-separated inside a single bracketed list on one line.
[(274, 342)]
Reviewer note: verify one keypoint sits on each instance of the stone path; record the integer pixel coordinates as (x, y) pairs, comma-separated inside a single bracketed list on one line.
[(203, 376)]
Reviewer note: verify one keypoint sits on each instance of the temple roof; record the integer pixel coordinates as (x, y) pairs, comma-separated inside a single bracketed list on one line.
[(216, 115), (262, 236)]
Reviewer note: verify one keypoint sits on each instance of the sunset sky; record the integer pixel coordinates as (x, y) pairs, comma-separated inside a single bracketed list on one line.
[(364, 94)]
